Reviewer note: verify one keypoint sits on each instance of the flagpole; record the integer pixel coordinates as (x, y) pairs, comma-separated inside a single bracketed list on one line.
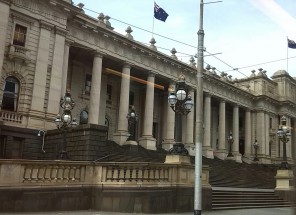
[(287, 54), (153, 20)]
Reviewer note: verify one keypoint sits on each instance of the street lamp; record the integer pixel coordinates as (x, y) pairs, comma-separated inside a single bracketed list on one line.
[(230, 142), (181, 103), (179, 99), (256, 146), (284, 134), (42, 133), (65, 120), (132, 118)]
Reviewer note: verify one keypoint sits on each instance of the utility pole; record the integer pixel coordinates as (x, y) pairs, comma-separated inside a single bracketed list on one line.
[(199, 114), (199, 117)]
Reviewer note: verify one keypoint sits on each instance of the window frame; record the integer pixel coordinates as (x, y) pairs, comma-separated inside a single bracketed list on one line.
[(16, 95)]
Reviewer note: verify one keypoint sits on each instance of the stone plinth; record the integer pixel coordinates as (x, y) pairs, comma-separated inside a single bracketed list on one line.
[(177, 159), (284, 178)]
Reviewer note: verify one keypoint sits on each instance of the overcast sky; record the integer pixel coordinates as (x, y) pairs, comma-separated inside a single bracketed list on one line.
[(244, 33)]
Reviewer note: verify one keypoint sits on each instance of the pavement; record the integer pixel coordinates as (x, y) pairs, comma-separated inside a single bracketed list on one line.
[(260, 211)]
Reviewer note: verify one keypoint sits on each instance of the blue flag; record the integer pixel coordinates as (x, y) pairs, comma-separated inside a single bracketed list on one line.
[(159, 13), (291, 44)]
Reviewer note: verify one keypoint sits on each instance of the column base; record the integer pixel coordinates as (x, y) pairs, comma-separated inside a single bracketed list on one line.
[(190, 148), (120, 137), (177, 159), (148, 142), (238, 157), (283, 179), (168, 144), (221, 154), (208, 152)]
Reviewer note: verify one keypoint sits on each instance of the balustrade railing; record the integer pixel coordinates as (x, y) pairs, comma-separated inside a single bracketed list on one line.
[(47, 173), (11, 116)]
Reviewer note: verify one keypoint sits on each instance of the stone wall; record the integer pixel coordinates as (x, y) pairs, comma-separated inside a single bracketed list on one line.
[(28, 186)]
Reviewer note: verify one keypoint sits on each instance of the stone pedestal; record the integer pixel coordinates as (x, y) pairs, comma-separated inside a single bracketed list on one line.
[(284, 179), (177, 159)]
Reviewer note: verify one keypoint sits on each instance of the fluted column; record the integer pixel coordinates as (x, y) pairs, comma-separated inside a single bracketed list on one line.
[(4, 11), (147, 140), (248, 134), (221, 152), (95, 92), (169, 138), (121, 134), (236, 133), (189, 144), (207, 149)]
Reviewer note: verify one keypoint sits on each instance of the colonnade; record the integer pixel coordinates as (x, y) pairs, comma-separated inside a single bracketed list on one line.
[(218, 123)]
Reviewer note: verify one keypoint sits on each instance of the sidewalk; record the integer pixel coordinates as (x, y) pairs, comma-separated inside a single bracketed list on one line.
[(260, 211)]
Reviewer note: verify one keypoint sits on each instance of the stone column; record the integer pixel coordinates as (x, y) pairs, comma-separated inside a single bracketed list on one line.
[(235, 128), (4, 15), (65, 68), (260, 133), (222, 152), (121, 134), (267, 138), (102, 113), (55, 86), (207, 149), (289, 145), (147, 140), (95, 91), (169, 140), (248, 135), (214, 127), (189, 144)]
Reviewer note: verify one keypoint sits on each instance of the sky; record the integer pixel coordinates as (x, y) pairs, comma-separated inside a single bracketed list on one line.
[(240, 35)]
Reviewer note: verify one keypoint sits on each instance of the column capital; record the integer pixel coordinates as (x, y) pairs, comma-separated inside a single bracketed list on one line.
[(46, 25), (127, 64), (61, 31), (152, 73), (98, 53), (69, 42), (207, 94)]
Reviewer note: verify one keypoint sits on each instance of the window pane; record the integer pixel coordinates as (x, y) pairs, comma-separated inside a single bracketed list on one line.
[(19, 37)]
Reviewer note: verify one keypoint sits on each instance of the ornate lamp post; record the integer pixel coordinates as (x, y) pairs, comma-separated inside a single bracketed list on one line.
[(41, 133), (256, 146), (230, 142), (181, 103), (132, 118), (65, 120), (284, 134)]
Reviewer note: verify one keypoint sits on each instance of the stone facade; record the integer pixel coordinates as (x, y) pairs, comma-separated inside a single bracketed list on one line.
[(49, 46)]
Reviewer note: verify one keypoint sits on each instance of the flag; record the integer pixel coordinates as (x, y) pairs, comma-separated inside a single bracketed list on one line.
[(291, 44), (159, 13)]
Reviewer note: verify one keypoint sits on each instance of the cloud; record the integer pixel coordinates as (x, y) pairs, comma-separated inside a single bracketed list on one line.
[(275, 12)]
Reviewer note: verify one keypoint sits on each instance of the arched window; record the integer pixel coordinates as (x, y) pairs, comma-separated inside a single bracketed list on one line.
[(11, 94)]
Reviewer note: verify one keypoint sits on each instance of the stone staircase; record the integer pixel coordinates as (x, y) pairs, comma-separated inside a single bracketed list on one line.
[(235, 185), (228, 199)]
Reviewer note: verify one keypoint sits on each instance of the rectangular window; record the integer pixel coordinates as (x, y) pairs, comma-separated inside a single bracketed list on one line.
[(87, 84), (131, 98), (19, 37), (270, 123), (109, 92)]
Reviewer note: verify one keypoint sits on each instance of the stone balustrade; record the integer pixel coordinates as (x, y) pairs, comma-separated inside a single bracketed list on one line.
[(15, 173), (11, 116)]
